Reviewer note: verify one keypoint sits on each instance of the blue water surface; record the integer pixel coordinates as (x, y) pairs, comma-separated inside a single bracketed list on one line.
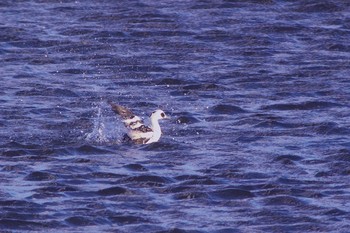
[(258, 93)]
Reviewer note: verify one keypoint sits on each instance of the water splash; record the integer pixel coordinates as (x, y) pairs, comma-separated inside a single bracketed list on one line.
[(105, 128)]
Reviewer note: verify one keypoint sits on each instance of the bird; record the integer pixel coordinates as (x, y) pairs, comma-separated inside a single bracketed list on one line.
[(138, 132)]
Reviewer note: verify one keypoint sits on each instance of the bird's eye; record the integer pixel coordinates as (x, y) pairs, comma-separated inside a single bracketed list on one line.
[(162, 115)]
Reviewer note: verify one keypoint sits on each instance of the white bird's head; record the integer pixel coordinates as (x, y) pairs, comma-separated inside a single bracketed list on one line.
[(158, 115)]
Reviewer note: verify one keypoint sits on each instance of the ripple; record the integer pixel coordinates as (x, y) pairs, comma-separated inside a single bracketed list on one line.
[(14, 153), (74, 71), (20, 224), (288, 159), (179, 230), (136, 167), (126, 219), (202, 181), (106, 175), (284, 200), (190, 195), (47, 92), (15, 144), (283, 28), (203, 87), (163, 146), (324, 174), (37, 43), (336, 212), (40, 176), (274, 123), (56, 188), (89, 149), (147, 180), (310, 105), (79, 221), (226, 109), (232, 193), (116, 190), (171, 81), (342, 155), (74, 31), (319, 7), (186, 118), (106, 34), (324, 128), (338, 47), (20, 203), (177, 189)]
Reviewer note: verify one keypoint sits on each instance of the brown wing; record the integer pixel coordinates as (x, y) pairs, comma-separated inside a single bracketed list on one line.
[(122, 111)]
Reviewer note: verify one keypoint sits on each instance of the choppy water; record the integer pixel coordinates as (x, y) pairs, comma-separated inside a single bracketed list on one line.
[(258, 92)]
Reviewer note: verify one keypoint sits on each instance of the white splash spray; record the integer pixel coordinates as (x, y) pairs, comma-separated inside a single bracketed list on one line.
[(105, 128)]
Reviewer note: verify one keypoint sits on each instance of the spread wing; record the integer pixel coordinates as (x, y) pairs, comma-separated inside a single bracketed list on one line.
[(137, 130), (122, 111)]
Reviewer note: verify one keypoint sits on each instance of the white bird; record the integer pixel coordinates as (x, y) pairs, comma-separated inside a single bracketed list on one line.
[(138, 132)]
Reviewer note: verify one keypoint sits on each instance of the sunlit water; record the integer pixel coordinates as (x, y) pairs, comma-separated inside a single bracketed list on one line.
[(258, 93)]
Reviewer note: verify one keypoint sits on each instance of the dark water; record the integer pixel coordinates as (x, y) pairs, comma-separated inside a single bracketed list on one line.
[(258, 92)]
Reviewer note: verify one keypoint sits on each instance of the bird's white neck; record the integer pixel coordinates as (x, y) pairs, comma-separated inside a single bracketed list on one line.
[(157, 132)]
